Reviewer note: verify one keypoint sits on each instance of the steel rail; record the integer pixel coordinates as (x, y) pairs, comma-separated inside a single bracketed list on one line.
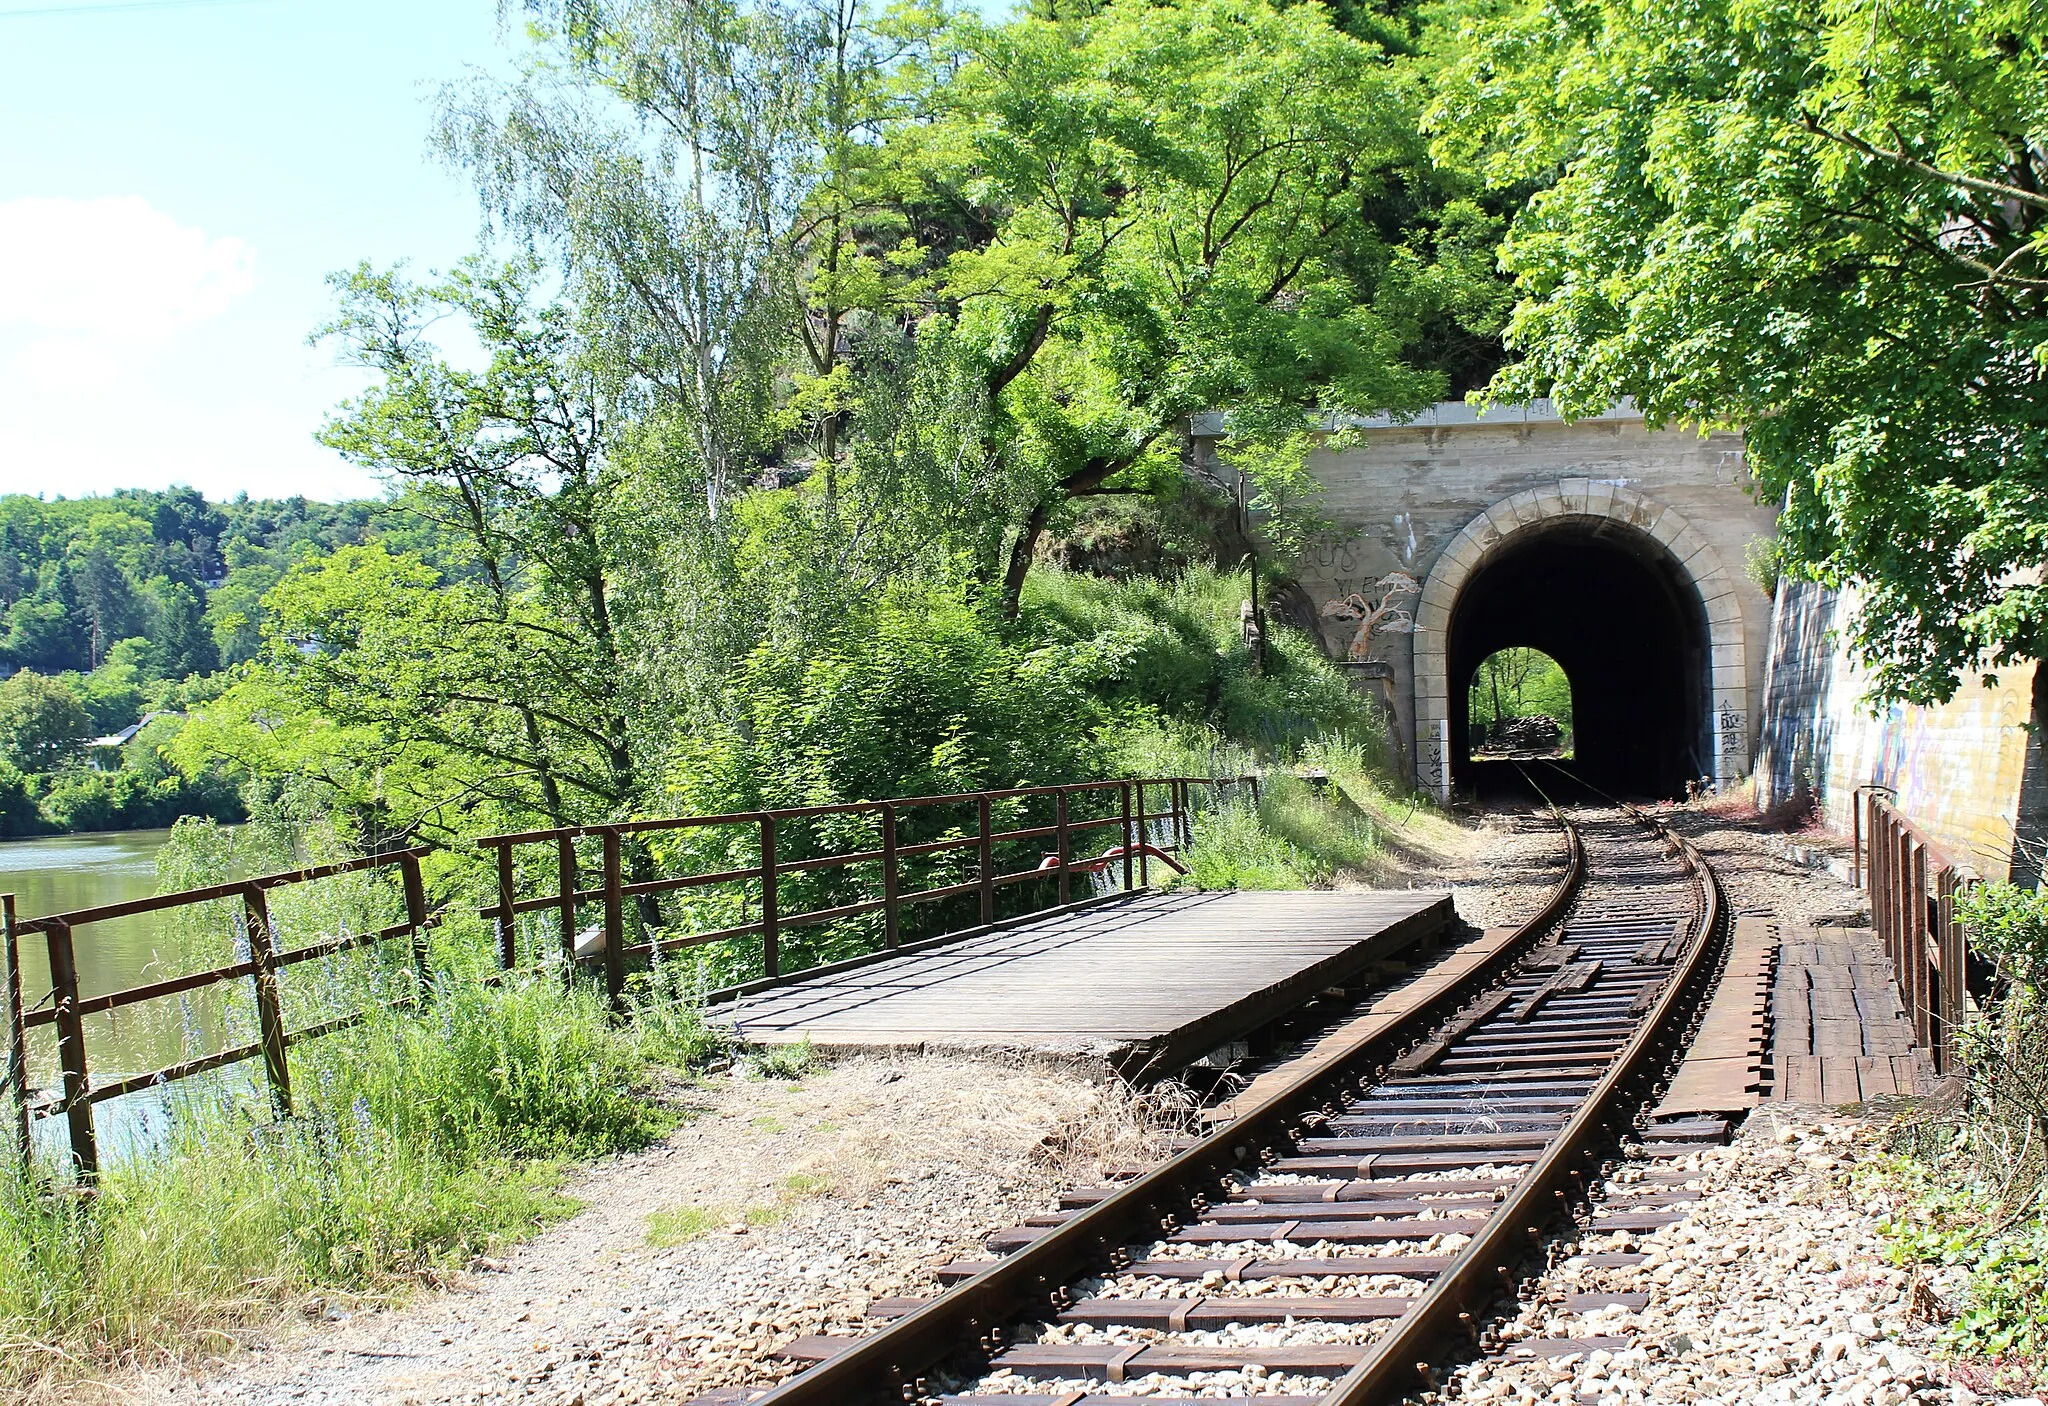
[(1399, 1363), (880, 1366)]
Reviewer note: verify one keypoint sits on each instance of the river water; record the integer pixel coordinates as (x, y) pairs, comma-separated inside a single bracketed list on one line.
[(65, 873)]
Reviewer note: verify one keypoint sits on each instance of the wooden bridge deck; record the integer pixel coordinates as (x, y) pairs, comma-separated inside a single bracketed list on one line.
[(1840, 1034), (1158, 979)]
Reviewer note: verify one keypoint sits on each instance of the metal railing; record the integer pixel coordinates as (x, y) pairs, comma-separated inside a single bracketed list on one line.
[(923, 852), (1912, 886), (65, 1008), (902, 863)]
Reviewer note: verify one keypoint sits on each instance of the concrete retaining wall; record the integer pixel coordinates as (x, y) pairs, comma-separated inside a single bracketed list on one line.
[(1967, 771)]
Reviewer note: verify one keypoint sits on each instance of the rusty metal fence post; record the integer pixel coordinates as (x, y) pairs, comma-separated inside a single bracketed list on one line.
[(508, 918), (1144, 840), (1125, 790), (17, 1033), (892, 930), (565, 900), (1919, 940), (614, 919), (85, 1151), (269, 1008), (1060, 820), (771, 903), (985, 850), (416, 915)]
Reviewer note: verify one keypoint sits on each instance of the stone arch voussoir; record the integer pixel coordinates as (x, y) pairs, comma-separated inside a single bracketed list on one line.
[(1567, 499)]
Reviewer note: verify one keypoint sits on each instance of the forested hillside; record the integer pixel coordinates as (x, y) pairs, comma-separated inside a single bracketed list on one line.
[(123, 608)]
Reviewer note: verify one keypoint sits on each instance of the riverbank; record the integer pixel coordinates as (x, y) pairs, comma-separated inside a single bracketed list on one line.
[(419, 1139)]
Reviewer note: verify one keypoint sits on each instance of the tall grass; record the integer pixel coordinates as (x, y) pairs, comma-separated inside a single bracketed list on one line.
[(418, 1141), (1300, 834), (438, 1129)]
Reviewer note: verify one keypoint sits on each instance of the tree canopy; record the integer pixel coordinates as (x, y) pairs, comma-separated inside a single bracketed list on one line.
[(1823, 225)]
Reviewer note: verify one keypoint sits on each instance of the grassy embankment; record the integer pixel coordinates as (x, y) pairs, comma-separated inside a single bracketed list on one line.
[(431, 1134), (441, 1130), (1192, 705)]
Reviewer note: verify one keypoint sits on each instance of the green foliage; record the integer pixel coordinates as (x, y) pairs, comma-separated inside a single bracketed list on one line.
[(1822, 224), (77, 576), (679, 1225), (1299, 835), (1172, 651), (924, 695), (1520, 683), (1052, 231), (42, 721), (148, 797), (2003, 1309), (785, 1061), (1159, 251), (1973, 1186), (2009, 925), (665, 1006), (19, 814)]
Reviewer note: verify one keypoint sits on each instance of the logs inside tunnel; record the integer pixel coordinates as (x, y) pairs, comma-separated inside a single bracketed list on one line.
[(1612, 607)]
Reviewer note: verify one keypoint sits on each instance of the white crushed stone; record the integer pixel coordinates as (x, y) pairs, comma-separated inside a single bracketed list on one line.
[(1771, 1291)]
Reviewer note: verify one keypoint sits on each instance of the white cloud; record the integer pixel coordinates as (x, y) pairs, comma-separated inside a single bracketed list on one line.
[(136, 351), (115, 266)]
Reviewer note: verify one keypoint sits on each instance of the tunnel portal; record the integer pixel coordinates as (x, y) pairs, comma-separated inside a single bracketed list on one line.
[(1611, 606)]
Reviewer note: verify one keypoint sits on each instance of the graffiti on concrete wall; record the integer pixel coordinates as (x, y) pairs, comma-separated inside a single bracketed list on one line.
[(1373, 616), (1958, 768)]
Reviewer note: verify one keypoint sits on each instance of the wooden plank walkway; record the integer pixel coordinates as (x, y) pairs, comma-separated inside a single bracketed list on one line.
[(1158, 979), (1839, 1034), (1725, 1065)]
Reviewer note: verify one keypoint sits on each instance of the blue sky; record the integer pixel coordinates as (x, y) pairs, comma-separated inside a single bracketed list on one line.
[(177, 178)]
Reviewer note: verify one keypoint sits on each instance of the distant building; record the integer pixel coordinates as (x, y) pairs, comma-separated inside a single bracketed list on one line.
[(104, 753)]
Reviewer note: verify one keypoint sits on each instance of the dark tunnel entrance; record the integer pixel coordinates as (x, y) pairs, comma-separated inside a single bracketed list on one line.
[(1609, 605)]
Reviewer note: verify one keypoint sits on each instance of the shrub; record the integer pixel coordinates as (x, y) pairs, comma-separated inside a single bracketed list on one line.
[(1975, 1177)]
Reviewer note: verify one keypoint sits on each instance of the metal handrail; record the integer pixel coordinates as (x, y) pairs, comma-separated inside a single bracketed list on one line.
[(760, 883), (266, 960)]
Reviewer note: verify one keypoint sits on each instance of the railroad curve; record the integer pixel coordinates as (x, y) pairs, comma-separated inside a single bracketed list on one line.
[(1368, 1203)]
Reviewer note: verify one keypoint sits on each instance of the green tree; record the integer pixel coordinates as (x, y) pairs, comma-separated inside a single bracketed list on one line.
[(41, 721), (650, 146), (1824, 225), (234, 610), (107, 599), (1518, 682), (1182, 205), (43, 632), (509, 673)]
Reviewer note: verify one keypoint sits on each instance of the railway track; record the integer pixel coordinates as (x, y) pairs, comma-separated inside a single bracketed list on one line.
[(1354, 1224)]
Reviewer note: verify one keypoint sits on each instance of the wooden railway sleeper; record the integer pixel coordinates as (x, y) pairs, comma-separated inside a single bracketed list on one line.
[(1377, 1379)]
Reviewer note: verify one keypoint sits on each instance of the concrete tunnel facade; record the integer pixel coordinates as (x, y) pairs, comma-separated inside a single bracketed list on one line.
[(1602, 543)]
